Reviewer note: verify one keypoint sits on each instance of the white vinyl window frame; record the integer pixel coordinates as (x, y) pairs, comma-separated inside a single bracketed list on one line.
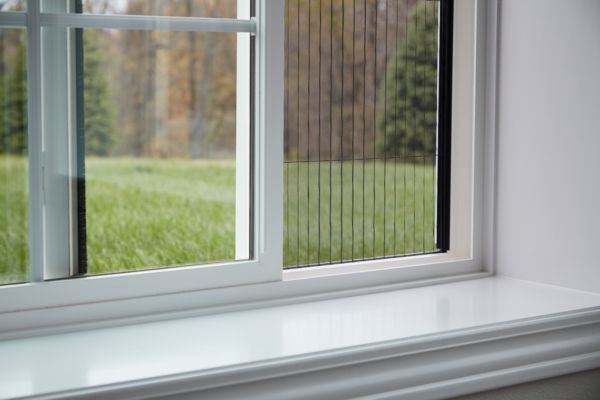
[(51, 137), (262, 280), (467, 168)]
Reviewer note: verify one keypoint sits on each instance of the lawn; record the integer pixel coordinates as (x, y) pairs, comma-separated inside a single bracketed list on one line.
[(13, 219), (145, 213), (393, 216)]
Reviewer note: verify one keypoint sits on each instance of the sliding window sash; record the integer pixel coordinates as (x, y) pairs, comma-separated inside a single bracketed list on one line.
[(59, 145), (56, 140)]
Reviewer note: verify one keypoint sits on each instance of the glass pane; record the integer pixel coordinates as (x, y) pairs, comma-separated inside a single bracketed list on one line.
[(13, 157), (360, 130), (13, 5), (179, 8), (159, 135)]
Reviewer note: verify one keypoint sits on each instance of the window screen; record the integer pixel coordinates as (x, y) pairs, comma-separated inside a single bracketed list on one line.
[(367, 129)]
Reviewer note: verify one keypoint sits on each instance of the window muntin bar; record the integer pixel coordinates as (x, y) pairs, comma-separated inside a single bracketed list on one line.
[(12, 20), (142, 22), (176, 8)]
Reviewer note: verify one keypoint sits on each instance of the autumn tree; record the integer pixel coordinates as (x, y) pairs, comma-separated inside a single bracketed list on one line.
[(98, 107), (174, 92), (409, 120), (347, 45)]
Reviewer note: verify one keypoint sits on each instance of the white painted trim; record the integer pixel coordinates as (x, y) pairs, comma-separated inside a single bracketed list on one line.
[(269, 90), (428, 367), (464, 186), (35, 143), (494, 379), (146, 22), (449, 259), (243, 167), (58, 133), (490, 49)]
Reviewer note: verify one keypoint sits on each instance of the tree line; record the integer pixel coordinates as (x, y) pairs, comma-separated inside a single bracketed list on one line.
[(361, 81), (145, 93), (361, 78)]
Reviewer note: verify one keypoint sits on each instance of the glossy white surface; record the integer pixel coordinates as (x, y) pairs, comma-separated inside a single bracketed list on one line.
[(86, 359)]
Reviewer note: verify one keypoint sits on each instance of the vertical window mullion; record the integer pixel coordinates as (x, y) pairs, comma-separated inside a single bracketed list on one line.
[(268, 141), (243, 166), (35, 143), (59, 144)]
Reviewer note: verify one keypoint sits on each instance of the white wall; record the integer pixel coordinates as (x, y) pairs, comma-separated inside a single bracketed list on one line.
[(548, 221)]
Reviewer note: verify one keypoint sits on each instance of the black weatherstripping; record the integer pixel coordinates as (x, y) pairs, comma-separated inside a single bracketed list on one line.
[(82, 264), (252, 132), (444, 123)]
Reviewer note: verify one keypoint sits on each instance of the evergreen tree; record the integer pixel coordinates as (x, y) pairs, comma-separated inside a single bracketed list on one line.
[(410, 119), (3, 93), (14, 104), (98, 107), (99, 119)]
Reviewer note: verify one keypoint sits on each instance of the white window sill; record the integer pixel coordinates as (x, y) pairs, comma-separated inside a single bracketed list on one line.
[(428, 342)]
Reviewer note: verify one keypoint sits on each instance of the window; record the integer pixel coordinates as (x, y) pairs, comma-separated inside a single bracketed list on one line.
[(367, 130), (112, 175), (142, 129)]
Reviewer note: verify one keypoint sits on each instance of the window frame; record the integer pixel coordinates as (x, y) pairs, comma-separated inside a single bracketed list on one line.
[(47, 261), (217, 287), (465, 253)]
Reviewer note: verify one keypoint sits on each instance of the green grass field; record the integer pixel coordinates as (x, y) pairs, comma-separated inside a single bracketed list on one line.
[(144, 213), (13, 219), (388, 219), (147, 213)]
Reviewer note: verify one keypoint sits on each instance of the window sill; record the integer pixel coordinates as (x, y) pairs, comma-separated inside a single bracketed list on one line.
[(428, 342)]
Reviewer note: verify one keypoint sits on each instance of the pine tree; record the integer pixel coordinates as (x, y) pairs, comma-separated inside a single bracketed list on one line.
[(3, 93), (99, 119), (14, 105), (410, 119)]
